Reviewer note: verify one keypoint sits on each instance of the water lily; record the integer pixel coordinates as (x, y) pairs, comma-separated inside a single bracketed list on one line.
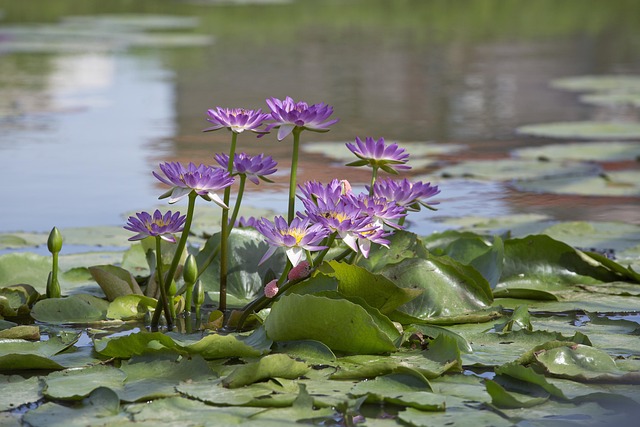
[(237, 120), (410, 195), (378, 154), (156, 225), (203, 180), (254, 168), (288, 114), (297, 237), (381, 210)]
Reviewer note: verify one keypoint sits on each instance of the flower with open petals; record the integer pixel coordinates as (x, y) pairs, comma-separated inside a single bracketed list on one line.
[(255, 168), (236, 119), (381, 210), (410, 195), (204, 180), (297, 237), (288, 114), (159, 225), (390, 158)]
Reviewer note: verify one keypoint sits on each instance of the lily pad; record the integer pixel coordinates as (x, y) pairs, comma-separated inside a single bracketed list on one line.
[(599, 83), (625, 183), (18, 391), (584, 130), (613, 99), (509, 169), (608, 151), (76, 309)]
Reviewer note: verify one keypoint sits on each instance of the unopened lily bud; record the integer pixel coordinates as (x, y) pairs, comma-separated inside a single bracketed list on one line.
[(271, 289), (300, 271), (53, 287), (54, 243), (198, 293), (190, 271)]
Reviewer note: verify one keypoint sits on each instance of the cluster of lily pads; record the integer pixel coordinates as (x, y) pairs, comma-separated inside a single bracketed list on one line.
[(336, 314)]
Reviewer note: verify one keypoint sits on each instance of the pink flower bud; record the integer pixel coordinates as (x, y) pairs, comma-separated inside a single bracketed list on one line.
[(300, 271), (346, 186), (271, 289)]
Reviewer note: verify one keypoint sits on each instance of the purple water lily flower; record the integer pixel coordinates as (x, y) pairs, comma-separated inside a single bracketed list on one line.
[(315, 190), (410, 195), (390, 158), (253, 167), (157, 225), (237, 119), (299, 236), (381, 210), (204, 180), (289, 114)]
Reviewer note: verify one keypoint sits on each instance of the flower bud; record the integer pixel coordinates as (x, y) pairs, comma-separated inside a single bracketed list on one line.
[(190, 271), (54, 243), (198, 293), (53, 287), (271, 289), (300, 271)]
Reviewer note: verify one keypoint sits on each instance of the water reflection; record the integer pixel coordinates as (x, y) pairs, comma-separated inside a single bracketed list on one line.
[(80, 133)]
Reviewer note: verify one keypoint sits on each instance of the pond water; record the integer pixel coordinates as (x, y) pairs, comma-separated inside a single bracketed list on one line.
[(89, 106)]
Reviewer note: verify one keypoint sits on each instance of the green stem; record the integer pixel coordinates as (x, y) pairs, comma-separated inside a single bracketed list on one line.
[(374, 176), (236, 208), (163, 301), (182, 243), (225, 230), (294, 171), (321, 255)]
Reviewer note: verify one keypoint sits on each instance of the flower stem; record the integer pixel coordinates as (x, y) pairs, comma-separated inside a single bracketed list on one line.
[(225, 230), (163, 292), (374, 176), (294, 171), (236, 208), (176, 258), (321, 255)]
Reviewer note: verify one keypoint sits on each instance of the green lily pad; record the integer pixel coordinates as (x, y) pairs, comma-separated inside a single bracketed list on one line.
[(601, 235), (18, 391), (613, 99), (76, 384), (614, 183), (75, 309), (599, 83), (296, 317), (608, 151), (584, 130), (270, 366), (18, 355), (509, 169)]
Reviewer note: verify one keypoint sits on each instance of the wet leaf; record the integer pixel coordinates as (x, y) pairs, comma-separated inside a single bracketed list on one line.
[(375, 289), (295, 317), (450, 288), (270, 366), (115, 281), (521, 169), (18, 391), (584, 130), (608, 151), (76, 384), (75, 309)]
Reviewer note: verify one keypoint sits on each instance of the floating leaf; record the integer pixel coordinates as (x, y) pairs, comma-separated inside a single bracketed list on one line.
[(18, 355), (75, 309), (301, 317), (129, 307), (378, 291), (613, 183), (450, 288), (584, 130), (506, 399), (18, 391), (599, 83), (270, 366), (584, 363), (608, 151), (76, 384), (115, 281), (521, 169)]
